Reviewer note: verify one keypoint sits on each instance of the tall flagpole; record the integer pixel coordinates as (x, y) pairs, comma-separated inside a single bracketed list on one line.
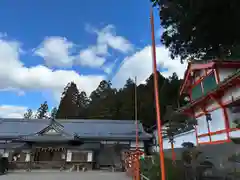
[(158, 113), (136, 117), (136, 121)]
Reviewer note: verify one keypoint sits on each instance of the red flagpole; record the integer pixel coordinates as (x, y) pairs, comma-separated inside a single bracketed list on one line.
[(158, 113), (136, 121)]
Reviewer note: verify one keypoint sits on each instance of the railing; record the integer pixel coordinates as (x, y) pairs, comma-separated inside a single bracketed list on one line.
[(144, 177), (132, 163), (57, 165)]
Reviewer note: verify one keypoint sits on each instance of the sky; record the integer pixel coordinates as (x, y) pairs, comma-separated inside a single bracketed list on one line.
[(46, 44)]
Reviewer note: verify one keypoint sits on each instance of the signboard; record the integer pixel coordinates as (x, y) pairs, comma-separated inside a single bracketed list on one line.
[(89, 157), (69, 156), (115, 142), (27, 159)]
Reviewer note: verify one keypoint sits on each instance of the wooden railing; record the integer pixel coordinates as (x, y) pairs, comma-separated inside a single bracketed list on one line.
[(144, 177)]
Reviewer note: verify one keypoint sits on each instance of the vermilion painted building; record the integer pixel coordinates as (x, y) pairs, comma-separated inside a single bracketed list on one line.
[(213, 89)]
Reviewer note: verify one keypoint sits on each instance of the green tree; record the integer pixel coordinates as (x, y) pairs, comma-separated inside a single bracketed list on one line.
[(150, 167), (102, 102), (146, 100), (83, 104), (201, 28), (106, 102), (68, 107), (28, 114), (126, 100), (54, 113), (42, 111)]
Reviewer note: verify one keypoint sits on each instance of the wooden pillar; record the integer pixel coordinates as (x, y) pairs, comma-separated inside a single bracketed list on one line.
[(208, 127), (196, 134), (64, 160), (209, 131), (225, 115), (195, 126)]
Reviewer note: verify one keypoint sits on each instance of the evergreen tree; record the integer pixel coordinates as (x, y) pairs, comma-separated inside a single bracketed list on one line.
[(68, 107), (54, 113), (127, 100), (108, 103), (83, 104), (28, 114), (102, 101), (42, 111)]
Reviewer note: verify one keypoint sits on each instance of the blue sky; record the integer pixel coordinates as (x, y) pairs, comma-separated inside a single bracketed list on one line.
[(45, 44)]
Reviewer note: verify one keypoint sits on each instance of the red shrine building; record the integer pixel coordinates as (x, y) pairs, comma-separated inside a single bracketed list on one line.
[(213, 92)]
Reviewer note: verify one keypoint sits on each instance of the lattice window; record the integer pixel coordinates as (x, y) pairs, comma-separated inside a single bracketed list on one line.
[(196, 92), (209, 83)]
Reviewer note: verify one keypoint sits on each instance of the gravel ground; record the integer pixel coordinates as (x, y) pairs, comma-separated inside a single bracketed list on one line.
[(65, 176)]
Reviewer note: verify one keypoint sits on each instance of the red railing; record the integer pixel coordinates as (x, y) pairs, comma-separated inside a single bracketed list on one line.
[(132, 164)]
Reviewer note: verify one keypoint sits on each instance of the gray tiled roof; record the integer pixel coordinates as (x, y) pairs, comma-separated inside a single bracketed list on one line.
[(21, 127), (103, 128), (12, 145), (109, 129)]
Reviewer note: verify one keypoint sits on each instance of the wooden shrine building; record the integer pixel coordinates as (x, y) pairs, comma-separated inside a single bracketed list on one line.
[(213, 91), (68, 144)]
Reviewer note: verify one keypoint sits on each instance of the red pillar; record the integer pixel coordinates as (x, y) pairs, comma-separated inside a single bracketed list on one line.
[(158, 114)]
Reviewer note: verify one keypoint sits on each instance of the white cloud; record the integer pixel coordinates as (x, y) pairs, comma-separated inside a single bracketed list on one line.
[(9, 111), (108, 36), (140, 65), (15, 76), (89, 57), (12, 111), (56, 51), (95, 56)]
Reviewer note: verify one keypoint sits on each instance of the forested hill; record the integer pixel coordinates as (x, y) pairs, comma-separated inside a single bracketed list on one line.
[(107, 102)]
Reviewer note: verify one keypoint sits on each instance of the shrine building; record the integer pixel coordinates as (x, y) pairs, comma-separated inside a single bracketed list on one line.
[(213, 93), (68, 144)]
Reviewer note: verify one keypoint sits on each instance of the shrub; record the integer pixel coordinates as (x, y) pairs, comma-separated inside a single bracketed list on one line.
[(150, 167)]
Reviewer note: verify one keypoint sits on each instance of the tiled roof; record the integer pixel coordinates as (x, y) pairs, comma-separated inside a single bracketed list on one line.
[(21, 127), (13, 145), (83, 128)]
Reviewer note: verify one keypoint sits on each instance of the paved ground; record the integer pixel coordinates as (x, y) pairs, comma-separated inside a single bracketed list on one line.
[(65, 176)]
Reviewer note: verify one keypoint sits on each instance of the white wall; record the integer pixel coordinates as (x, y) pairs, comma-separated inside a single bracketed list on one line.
[(217, 124), (218, 137), (179, 139), (218, 120), (202, 127), (225, 72), (232, 116), (235, 134), (231, 95), (140, 144)]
